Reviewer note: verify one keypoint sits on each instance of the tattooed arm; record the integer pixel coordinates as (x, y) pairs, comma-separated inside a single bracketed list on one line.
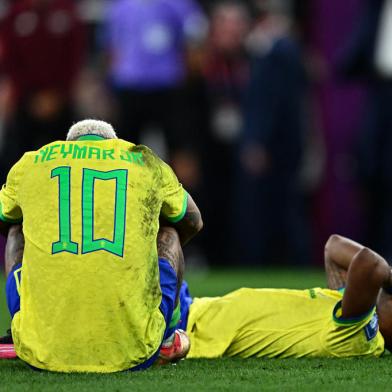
[(338, 254), (189, 225), (362, 272), (14, 248), (169, 248)]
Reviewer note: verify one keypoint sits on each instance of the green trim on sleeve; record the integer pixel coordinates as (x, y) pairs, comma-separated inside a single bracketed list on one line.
[(177, 218), (350, 320), (8, 220)]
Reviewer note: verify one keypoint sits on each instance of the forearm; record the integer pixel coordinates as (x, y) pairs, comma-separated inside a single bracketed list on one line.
[(188, 228), (367, 274), (341, 251), (169, 248), (14, 248), (336, 276)]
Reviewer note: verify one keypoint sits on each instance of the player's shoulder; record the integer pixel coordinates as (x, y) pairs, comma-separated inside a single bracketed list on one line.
[(135, 147), (150, 158)]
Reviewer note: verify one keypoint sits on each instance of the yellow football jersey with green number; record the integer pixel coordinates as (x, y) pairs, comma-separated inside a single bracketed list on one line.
[(280, 323), (90, 292)]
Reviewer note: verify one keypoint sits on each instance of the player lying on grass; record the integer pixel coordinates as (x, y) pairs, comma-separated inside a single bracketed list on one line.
[(353, 317), (97, 293)]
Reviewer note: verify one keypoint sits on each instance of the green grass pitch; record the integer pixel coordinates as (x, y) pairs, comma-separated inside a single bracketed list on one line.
[(217, 375)]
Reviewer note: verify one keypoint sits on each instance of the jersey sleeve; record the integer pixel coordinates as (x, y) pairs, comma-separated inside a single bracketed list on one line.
[(356, 336), (175, 198), (340, 321), (10, 210)]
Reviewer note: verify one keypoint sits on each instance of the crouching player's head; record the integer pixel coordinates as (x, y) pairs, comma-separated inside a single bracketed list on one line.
[(91, 127)]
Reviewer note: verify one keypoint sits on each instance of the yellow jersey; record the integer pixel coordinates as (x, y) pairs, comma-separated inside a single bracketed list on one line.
[(280, 323), (90, 292)]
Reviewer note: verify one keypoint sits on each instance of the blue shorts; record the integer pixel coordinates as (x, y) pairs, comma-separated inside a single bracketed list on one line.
[(185, 302), (168, 283), (12, 289)]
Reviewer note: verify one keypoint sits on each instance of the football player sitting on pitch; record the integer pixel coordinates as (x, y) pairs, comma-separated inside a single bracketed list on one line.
[(94, 296), (353, 317)]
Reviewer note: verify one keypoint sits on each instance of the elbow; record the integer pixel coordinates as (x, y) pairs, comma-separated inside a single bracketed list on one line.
[(367, 258), (188, 228), (333, 238), (369, 270), (198, 224), (367, 255), (332, 241), (370, 263)]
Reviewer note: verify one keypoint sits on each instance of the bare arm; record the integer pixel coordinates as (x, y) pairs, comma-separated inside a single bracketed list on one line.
[(364, 272), (14, 248), (189, 225), (338, 254), (367, 274), (169, 248)]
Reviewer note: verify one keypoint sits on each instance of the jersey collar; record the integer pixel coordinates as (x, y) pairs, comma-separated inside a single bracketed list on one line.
[(90, 137)]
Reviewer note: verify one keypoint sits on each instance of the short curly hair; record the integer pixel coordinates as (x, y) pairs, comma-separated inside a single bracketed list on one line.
[(91, 127)]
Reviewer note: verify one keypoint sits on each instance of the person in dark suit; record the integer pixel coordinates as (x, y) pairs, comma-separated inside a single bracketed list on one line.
[(367, 58), (271, 225)]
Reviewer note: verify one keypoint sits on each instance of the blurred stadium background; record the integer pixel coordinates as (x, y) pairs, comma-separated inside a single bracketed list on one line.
[(273, 113)]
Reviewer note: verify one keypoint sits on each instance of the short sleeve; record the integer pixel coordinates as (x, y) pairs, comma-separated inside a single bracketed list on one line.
[(355, 336), (10, 210), (175, 198), (339, 320)]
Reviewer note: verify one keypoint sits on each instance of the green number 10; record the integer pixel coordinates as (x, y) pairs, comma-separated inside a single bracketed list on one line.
[(89, 244)]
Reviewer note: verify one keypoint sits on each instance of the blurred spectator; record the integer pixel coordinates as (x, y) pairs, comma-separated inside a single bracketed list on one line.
[(368, 57), (146, 43), (225, 73), (270, 225), (41, 52)]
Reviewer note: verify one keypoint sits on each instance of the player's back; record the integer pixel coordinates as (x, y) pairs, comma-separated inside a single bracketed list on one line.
[(280, 323), (90, 291)]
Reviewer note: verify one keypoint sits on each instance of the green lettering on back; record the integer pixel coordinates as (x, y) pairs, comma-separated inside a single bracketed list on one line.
[(52, 153), (79, 152), (42, 153), (94, 151), (115, 244), (126, 156), (108, 154), (64, 244), (65, 152), (138, 158), (132, 157)]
